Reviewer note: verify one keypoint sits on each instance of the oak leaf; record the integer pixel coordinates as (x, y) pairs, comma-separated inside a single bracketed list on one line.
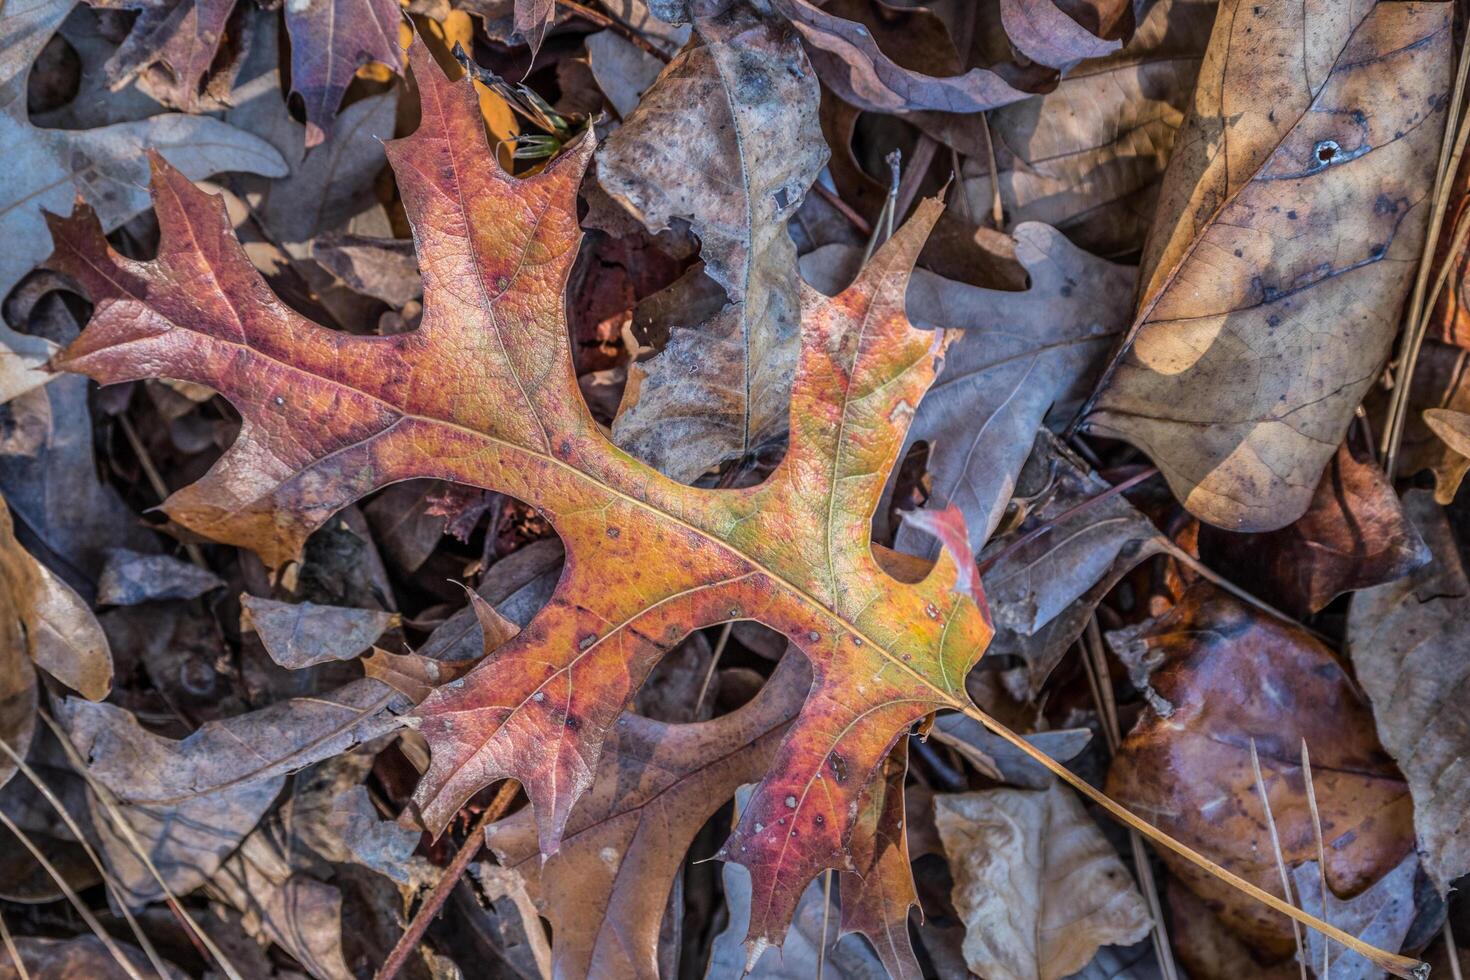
[(605, 891), (1289, 220), (484, 393)]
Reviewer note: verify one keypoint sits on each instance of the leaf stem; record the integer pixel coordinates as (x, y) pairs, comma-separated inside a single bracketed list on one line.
[(409, 941), (1399, 966)]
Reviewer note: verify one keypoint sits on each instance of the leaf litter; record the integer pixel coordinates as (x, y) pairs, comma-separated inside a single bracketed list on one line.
[(586, 489)]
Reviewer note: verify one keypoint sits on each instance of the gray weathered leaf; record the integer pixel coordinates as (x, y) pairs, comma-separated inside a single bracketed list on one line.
[(726, 140), (1410, 649), (303, 634), (129, 578), (190, 802)]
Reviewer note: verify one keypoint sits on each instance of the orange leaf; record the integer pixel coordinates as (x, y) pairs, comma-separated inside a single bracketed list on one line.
[(483, 393)]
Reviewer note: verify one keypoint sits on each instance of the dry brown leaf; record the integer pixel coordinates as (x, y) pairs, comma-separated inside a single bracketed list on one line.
[(1037, 884), (1353, 536), (1088, 156), (1288, 226), (60, 633), (1230, 675), (1408, 644)]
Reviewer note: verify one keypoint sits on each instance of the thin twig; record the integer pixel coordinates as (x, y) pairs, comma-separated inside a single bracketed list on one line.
[(15, 958), (1321, 853), (826, 915), (1399, 966), (607, 20), (883, 227), (408, 943), (1451, 949), (855, 219), (997, 208), (155, 480), (1095, 660), (913, 177), (1452, 148), (1296, 929), (714, 661)]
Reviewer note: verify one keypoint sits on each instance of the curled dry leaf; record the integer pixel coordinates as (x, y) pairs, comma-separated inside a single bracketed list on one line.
[(330, 417), (106, 166), (303, 634), (1038, 886), (1230, 675), (736, 169), (188, 803), (605, 891), (51, 623), (864, 76), (1288, 226), (1408, 646), (1353, 536), (1021, 352)]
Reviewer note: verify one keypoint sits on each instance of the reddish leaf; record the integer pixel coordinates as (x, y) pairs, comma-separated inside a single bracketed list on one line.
[(483, 393), (1230, 675), (877, 898)]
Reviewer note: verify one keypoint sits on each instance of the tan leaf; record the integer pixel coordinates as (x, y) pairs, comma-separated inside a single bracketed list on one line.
[(1288, 226), (1037, 884)]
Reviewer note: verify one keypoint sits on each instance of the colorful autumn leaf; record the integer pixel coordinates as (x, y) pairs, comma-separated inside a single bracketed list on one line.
[(329, 417)]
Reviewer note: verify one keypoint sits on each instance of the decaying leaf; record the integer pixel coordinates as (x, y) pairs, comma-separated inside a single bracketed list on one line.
[(605, 891), (188, 803), (734, 172), (1291, 216), (330, 417), (302, 634), (1407, 643), (1037, 884), (1021, 352), (877, 897), (1229, 675), (106, 166), (1353, 536)]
